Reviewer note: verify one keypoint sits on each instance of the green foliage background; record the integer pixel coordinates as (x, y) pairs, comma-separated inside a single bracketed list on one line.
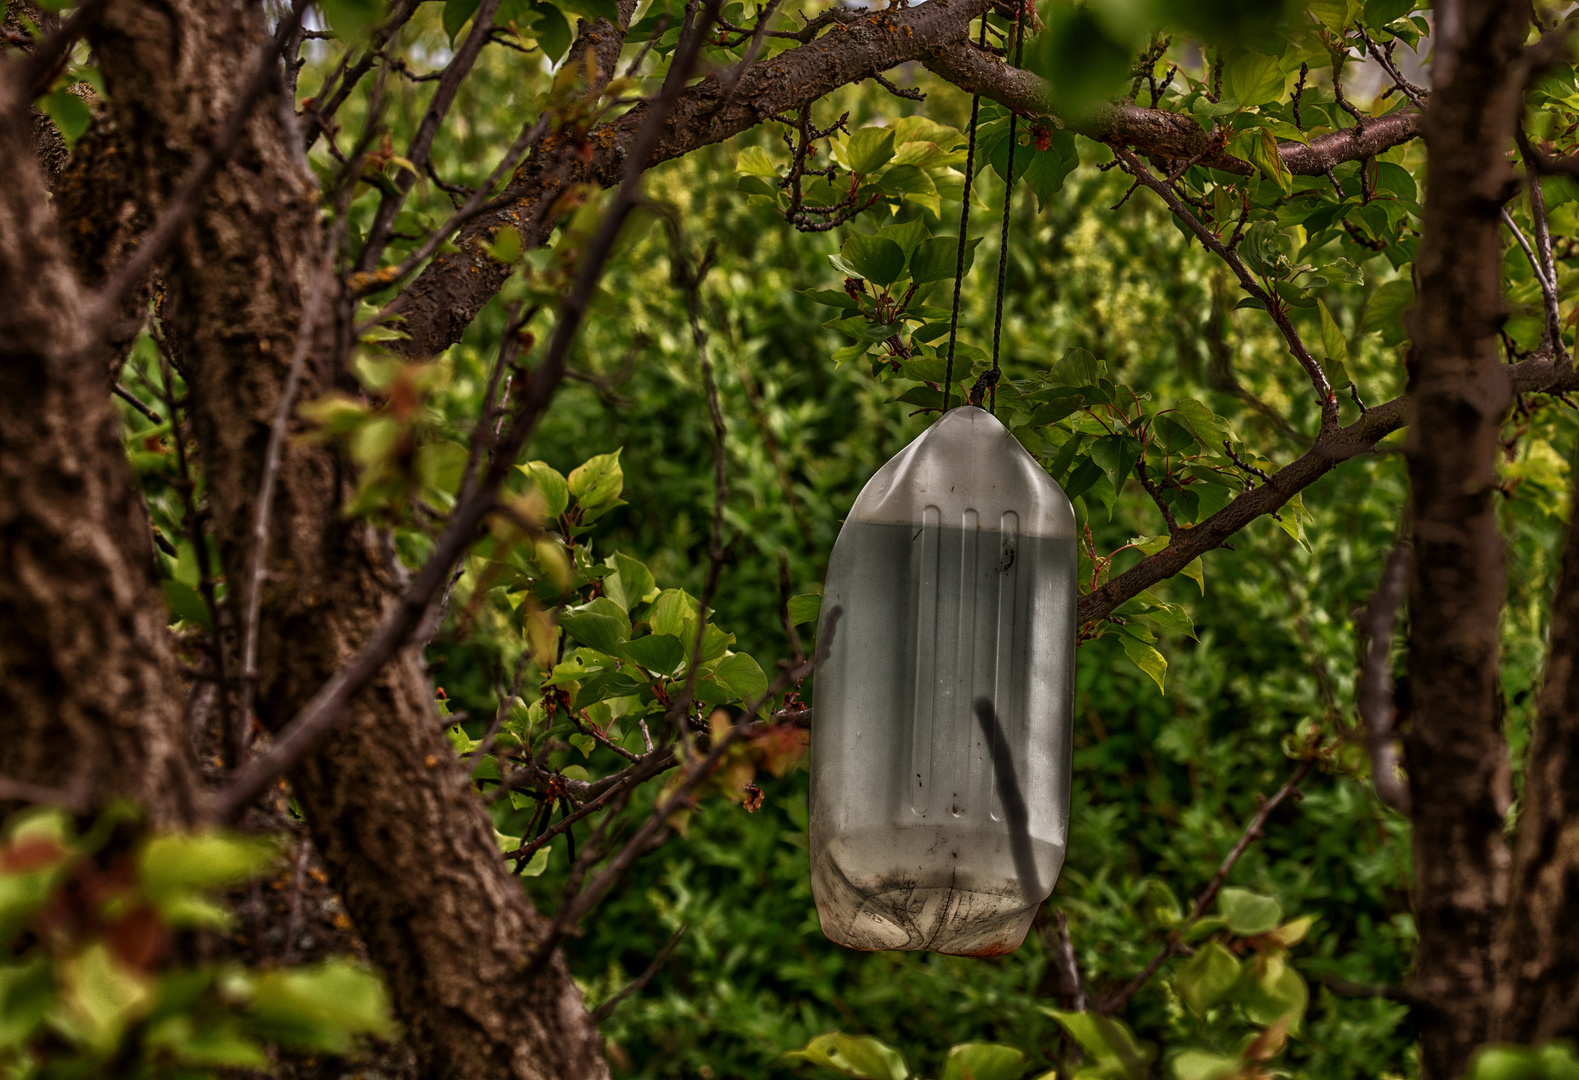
[(1164, 782)]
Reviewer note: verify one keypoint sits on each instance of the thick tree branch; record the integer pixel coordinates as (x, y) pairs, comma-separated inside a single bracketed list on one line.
[(1156, 131), (1360, 437)]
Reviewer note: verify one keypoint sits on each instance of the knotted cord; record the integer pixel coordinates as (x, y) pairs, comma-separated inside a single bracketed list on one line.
[(989, 380), (964, 221), (1008, 202)]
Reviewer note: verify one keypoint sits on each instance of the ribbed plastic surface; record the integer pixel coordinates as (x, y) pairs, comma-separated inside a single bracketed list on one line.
[(941, 720)]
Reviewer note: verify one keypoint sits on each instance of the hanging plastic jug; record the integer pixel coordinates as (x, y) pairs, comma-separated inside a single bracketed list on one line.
[(941, 716)]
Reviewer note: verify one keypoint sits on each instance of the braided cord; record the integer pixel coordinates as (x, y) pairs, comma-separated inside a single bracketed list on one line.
[(1008, 202), (964, 221)]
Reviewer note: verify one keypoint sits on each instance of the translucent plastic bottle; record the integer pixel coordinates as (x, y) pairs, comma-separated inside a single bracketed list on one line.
[(941, 720)]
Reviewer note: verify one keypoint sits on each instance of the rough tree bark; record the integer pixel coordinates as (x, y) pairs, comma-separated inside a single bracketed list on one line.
[(1459, 392), (89, 694), (1537, 995), (410, 848)]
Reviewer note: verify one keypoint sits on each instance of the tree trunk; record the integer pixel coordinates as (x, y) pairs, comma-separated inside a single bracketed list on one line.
[(89, 694), (409, 846), (1538, 950), (1458, 392)]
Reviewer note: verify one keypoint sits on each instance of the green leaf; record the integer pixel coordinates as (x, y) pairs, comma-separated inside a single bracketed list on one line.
[(674, 612), (1048, 169), (859, 1056), (1395, 180), (69, 112), (351, 19), (754, 161), (1116, 454), (597, 481), (906, 180), (743, 676), (659, 653), (550, 485), (1077, 367), (1193, 571), (185, 603), (456, 14), (440, 466), (1334, 14), (552, 31), (869, 149), (1280, 991), (26, 994), (1249, 913), (632, 581), (173, 864), (1385, 309), (506, 246), (1336, 347), (1171, 617), (1204, 1065), (1211, 430), (804, 608), (875, 258), (1255, 78), (1147, 659), (934, 259), (1208, 977), (600, 625), (984, 1061), (325, 1007), (593, 9), (1379, 13), (1109, 1040), (538, 862), (98, 996)]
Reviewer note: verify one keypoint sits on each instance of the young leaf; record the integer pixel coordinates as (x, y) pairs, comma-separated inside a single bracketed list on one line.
[(854, 1055), (1249, 913), (934, 259), (984, 1061), (1109, 1040), (1208, 977), (1336, 347), (869, 149), (1147, 659), (550, 485), (804, 608), (597, 481), (875, 258)]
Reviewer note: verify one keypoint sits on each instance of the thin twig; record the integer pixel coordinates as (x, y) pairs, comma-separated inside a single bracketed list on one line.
[(1377, 705), (326, 707), (602, 1012), (1068, 965), (234, 729), (575, 909), (263, 508), (136, 403), (1202, 902), (421, 144), (298, 880), (1274, 307), (37, 794)]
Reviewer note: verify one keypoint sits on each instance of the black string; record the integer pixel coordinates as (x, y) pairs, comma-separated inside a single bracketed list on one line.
[(964, 220), (1008, 201)]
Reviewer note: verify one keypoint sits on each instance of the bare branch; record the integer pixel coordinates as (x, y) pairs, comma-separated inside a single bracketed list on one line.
[(603, 1011), (324, 710), (1377, 707), (1273, 305), (421, 145), (1176, 938)]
